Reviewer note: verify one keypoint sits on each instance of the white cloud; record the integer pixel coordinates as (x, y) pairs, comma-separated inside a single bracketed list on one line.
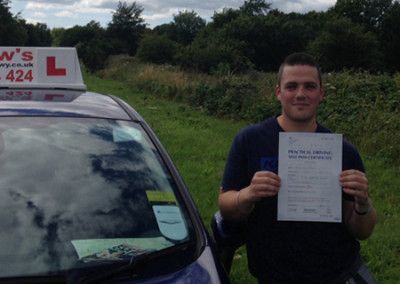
[(31, 21), (157, 17), (64, 14), (39, 15), (35, 6), (155, 12), (164, 6), (302, 6), (87, 7)]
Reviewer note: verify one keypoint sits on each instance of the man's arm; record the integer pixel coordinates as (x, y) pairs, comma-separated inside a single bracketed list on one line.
[(360, 216), (237, 205)]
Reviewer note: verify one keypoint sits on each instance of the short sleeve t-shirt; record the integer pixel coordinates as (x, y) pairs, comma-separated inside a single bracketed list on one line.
[(288, 252)]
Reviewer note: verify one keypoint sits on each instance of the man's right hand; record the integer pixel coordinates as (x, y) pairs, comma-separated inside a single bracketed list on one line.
[(263, 184), (236, 205)]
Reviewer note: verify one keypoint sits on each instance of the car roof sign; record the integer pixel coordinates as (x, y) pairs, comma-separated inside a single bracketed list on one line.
[(40, 67)]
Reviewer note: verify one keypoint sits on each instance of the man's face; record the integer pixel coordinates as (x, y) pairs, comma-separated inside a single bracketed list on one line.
[(299, 92)]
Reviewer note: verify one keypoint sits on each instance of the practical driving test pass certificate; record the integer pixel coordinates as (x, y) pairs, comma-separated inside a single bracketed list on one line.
[(309, 168)]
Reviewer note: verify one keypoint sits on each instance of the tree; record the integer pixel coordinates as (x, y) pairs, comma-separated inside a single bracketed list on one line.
[(268, 39), (267, 36), (369, 13), (211, 51), (157, 49), (186, 25), (224, 17), (165, 29), (343, 44), (126, 27), (249, 8), (91, 43), (57, 34), (390, 38), (38, 35), (255, 7), (11, 31), (94, 53), (77, 34)]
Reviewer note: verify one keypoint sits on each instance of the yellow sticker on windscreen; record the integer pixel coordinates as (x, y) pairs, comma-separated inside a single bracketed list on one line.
[(155, 196)]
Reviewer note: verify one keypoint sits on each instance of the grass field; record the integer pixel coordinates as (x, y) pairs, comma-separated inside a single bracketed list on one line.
[(199, 144)]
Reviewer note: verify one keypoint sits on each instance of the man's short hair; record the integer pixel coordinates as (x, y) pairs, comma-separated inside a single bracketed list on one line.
[(299, 58)]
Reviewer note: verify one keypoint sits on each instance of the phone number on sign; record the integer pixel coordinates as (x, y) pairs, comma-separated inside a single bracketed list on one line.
[(19, 76)]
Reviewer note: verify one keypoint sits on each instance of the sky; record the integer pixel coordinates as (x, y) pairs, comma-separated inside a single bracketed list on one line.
[(67, 13)]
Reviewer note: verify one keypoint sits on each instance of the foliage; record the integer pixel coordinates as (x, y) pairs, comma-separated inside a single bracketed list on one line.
[(368, 13), (93, 52), (365, 108), (267, 40), (344, 44), (224, 17), (126, 27), (390, 38), (210, 51), (380, 17), (185, 26), (253, 32), (353, 34), (37, 35), (56, 35), (255, 7), (76, 34), (11, 32), (362, 106), (90, 41), (15, 31), (234, 97), (157, 49)]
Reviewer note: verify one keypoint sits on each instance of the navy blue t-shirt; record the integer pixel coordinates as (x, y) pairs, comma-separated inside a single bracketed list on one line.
[(288, 252)]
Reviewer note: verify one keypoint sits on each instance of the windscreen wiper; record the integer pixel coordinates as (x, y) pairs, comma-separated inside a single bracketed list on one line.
[(136, 264)]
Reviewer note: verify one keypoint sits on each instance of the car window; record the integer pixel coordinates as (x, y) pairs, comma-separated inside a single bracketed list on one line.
[(82, 191)]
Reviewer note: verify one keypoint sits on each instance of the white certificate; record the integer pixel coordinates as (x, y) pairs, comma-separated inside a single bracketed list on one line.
[(309, 168)]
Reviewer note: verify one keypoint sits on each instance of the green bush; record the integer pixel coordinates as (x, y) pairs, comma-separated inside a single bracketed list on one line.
[(362, 106), (93, 53), (344, 44), (365, 108), (214, 55), (230, 97), (157, 49)]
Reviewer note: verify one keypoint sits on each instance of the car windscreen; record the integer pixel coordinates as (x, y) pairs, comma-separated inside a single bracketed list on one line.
[(82, 191)]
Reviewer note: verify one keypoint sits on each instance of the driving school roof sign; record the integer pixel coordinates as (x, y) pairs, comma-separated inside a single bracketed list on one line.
[(40, 67)]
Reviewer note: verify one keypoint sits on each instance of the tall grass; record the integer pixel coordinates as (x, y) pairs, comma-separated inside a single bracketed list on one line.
[(362, 106), (198, 145)]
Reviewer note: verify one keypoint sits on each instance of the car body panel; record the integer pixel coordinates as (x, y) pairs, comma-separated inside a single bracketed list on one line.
[(59, 103), (55, 89), (200, 271), (38, 103)]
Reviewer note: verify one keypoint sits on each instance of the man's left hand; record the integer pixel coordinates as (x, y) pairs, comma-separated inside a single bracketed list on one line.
[(355, 183)]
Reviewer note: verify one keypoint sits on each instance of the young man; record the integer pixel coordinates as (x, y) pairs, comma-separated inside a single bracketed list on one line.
[(295, 252)]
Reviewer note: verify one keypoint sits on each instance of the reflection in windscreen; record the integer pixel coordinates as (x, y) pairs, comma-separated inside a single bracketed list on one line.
[(67, 182)]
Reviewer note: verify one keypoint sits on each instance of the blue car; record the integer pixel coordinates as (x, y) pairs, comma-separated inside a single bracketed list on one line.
[(87, 192)]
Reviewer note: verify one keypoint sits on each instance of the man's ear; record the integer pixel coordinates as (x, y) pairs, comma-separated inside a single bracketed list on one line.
[(278, 92)]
